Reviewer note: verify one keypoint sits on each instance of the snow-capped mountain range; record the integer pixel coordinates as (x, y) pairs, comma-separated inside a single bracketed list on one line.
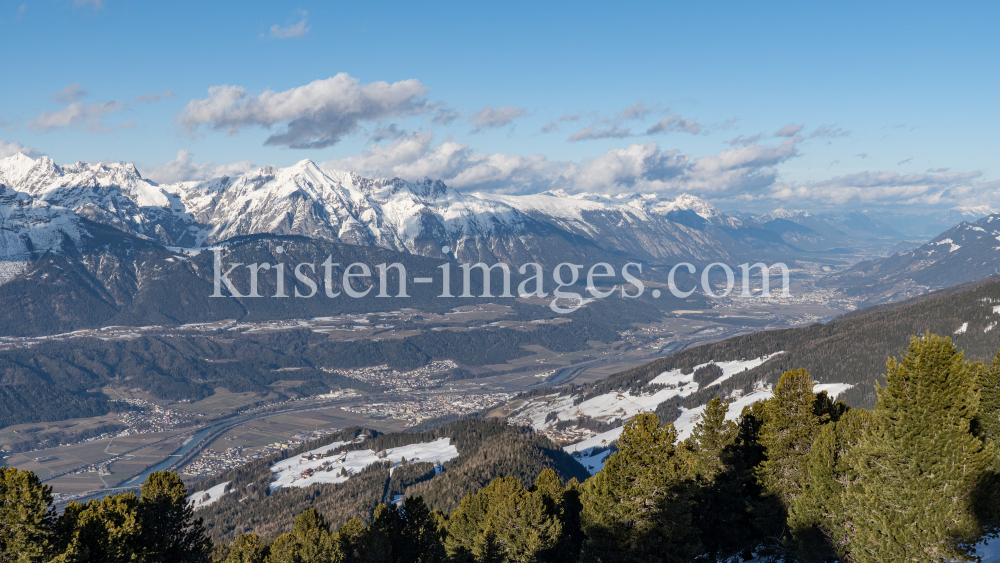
[(42, 205)]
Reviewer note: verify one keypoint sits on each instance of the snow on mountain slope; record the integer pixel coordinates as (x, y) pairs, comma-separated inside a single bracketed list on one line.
[(29, 227), (545, 413), (205, 498), (729, 369), (622, 406), (640, 225), (318, 467), (966, 252), (414, 217)]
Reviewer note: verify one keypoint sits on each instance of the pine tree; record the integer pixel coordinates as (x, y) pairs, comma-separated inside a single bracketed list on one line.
[(987, 428), (102, 531), (27, 518), (247, 548), (422, 536), (310, 541), (638, 507), (561, 504), (171, 534), (710, 437), (918, 464), (789, 429), (348, 538), (376, 544), (725, 485), (816, 519)]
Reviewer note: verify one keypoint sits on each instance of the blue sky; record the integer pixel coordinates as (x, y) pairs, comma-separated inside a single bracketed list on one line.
[(888, 105)]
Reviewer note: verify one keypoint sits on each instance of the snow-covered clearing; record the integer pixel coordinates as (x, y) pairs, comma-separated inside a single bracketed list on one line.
[(729, 369), (327, 467), (199, 500), (962, 329), (684, 424), (832, 389), (613, 406)]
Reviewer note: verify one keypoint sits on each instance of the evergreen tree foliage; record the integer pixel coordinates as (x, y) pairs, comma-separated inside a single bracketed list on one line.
[(816, 519), (787, 435), (26, 517), (987, 421), (725, 485), (247, 548), (310, 541), (504, 522), (711, 436), (103, 531), (638, 508), (171, 534), (987, 428), (919, 464)]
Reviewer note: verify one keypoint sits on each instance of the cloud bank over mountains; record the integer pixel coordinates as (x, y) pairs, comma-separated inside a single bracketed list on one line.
[(412, 137)]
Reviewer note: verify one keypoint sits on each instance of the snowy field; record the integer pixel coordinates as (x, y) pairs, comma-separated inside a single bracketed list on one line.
[(611, 406), (300, 471), (198, 499)]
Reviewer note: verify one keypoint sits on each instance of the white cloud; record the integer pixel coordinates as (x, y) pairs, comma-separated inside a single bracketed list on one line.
[(298, 29), (489, 118), (78, 115), (789, 130), (741, 141), (637, 110), (415, 156), (444, 115), (69, 94), (675, 123), (891, 188), (613, 128), (637, 166), (183, 169), (316, 115), (12, 148), (828, 132), (593, 132)]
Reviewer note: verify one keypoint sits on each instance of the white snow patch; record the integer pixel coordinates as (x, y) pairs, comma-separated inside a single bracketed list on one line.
[(302, 472), (624, 405), (948, 241), (688, 419), (962, 329), (832, 389), (602, 440), (990, 327), (594, 462), (729, 369), (684, 424), (198, 499)]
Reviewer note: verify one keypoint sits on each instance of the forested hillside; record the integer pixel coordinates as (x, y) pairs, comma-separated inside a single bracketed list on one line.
[(487, 450), (851, 350), (50, 380)]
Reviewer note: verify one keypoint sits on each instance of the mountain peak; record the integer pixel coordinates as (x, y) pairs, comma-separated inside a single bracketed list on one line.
[(15, 167)]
